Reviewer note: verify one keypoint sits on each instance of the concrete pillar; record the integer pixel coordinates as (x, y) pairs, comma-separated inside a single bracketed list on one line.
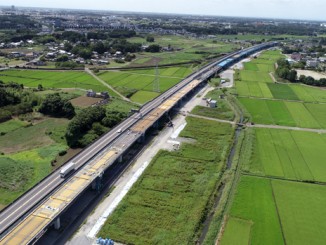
[(57, 224), (94, 185), (155, 125), (141, 138)]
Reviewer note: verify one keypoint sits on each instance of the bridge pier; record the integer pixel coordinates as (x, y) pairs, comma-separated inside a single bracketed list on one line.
[(141, 138), (94, 185), (98, 183), (155, 125), (120, 159), (57, 223)]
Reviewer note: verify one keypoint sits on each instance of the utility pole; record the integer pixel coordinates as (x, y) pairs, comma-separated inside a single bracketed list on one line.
[(156, 82)]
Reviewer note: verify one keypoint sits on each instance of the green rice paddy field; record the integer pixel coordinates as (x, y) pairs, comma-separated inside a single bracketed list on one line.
[(141, 82), (276, 212), (53, 79), (277, 112), (280, 91), (296, 155)]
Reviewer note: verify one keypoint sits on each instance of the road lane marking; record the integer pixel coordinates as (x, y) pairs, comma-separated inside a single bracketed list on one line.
[(27, 201)]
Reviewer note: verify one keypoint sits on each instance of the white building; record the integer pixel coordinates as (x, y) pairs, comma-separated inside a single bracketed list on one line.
[(312, 63), (212, 103)]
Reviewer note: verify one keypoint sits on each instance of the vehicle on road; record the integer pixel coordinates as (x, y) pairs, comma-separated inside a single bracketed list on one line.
[(67, 169)]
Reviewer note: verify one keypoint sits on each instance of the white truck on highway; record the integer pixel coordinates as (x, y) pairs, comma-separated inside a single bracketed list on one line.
[(67, 169)]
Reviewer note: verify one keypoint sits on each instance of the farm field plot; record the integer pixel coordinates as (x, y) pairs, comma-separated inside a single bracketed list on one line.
[(259, 65), (280, 91), (20, 171), (11, 125), (271, 55), (34, 136), (254, 203), (52, 79), (253, 89), (28, 152), (289, 154), (256, 76), (28, 155), (309, 94), (84, 101), (285, 113), (264, 61), (144, 96), (319, 112), (166, 205), (268, 112), (250, 66), (237, 232), (138, 84), (276, 207), (302, 212)]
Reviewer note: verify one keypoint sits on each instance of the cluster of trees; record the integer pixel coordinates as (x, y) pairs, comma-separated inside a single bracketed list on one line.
[(89, 124), (8, 97), (14, 101), (78, 132), (284, 71), (68, 64), (246, 26), (55, 105), (85, 50), (74, 37), (153, 48), (311, 81), (150, 39), (16, 22)]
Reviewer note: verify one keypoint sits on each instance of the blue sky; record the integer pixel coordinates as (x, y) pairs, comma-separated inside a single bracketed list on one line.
[(296, 9)]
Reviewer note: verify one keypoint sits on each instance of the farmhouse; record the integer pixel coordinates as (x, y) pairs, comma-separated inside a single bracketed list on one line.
[(312, 63), (91, 93)]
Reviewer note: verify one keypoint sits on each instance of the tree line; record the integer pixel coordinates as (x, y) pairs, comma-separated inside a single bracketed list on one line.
[(89, 124), (14, 100), (285, 71)]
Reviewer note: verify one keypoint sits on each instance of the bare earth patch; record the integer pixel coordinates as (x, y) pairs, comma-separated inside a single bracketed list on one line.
[(314, 74), (84, 101)]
